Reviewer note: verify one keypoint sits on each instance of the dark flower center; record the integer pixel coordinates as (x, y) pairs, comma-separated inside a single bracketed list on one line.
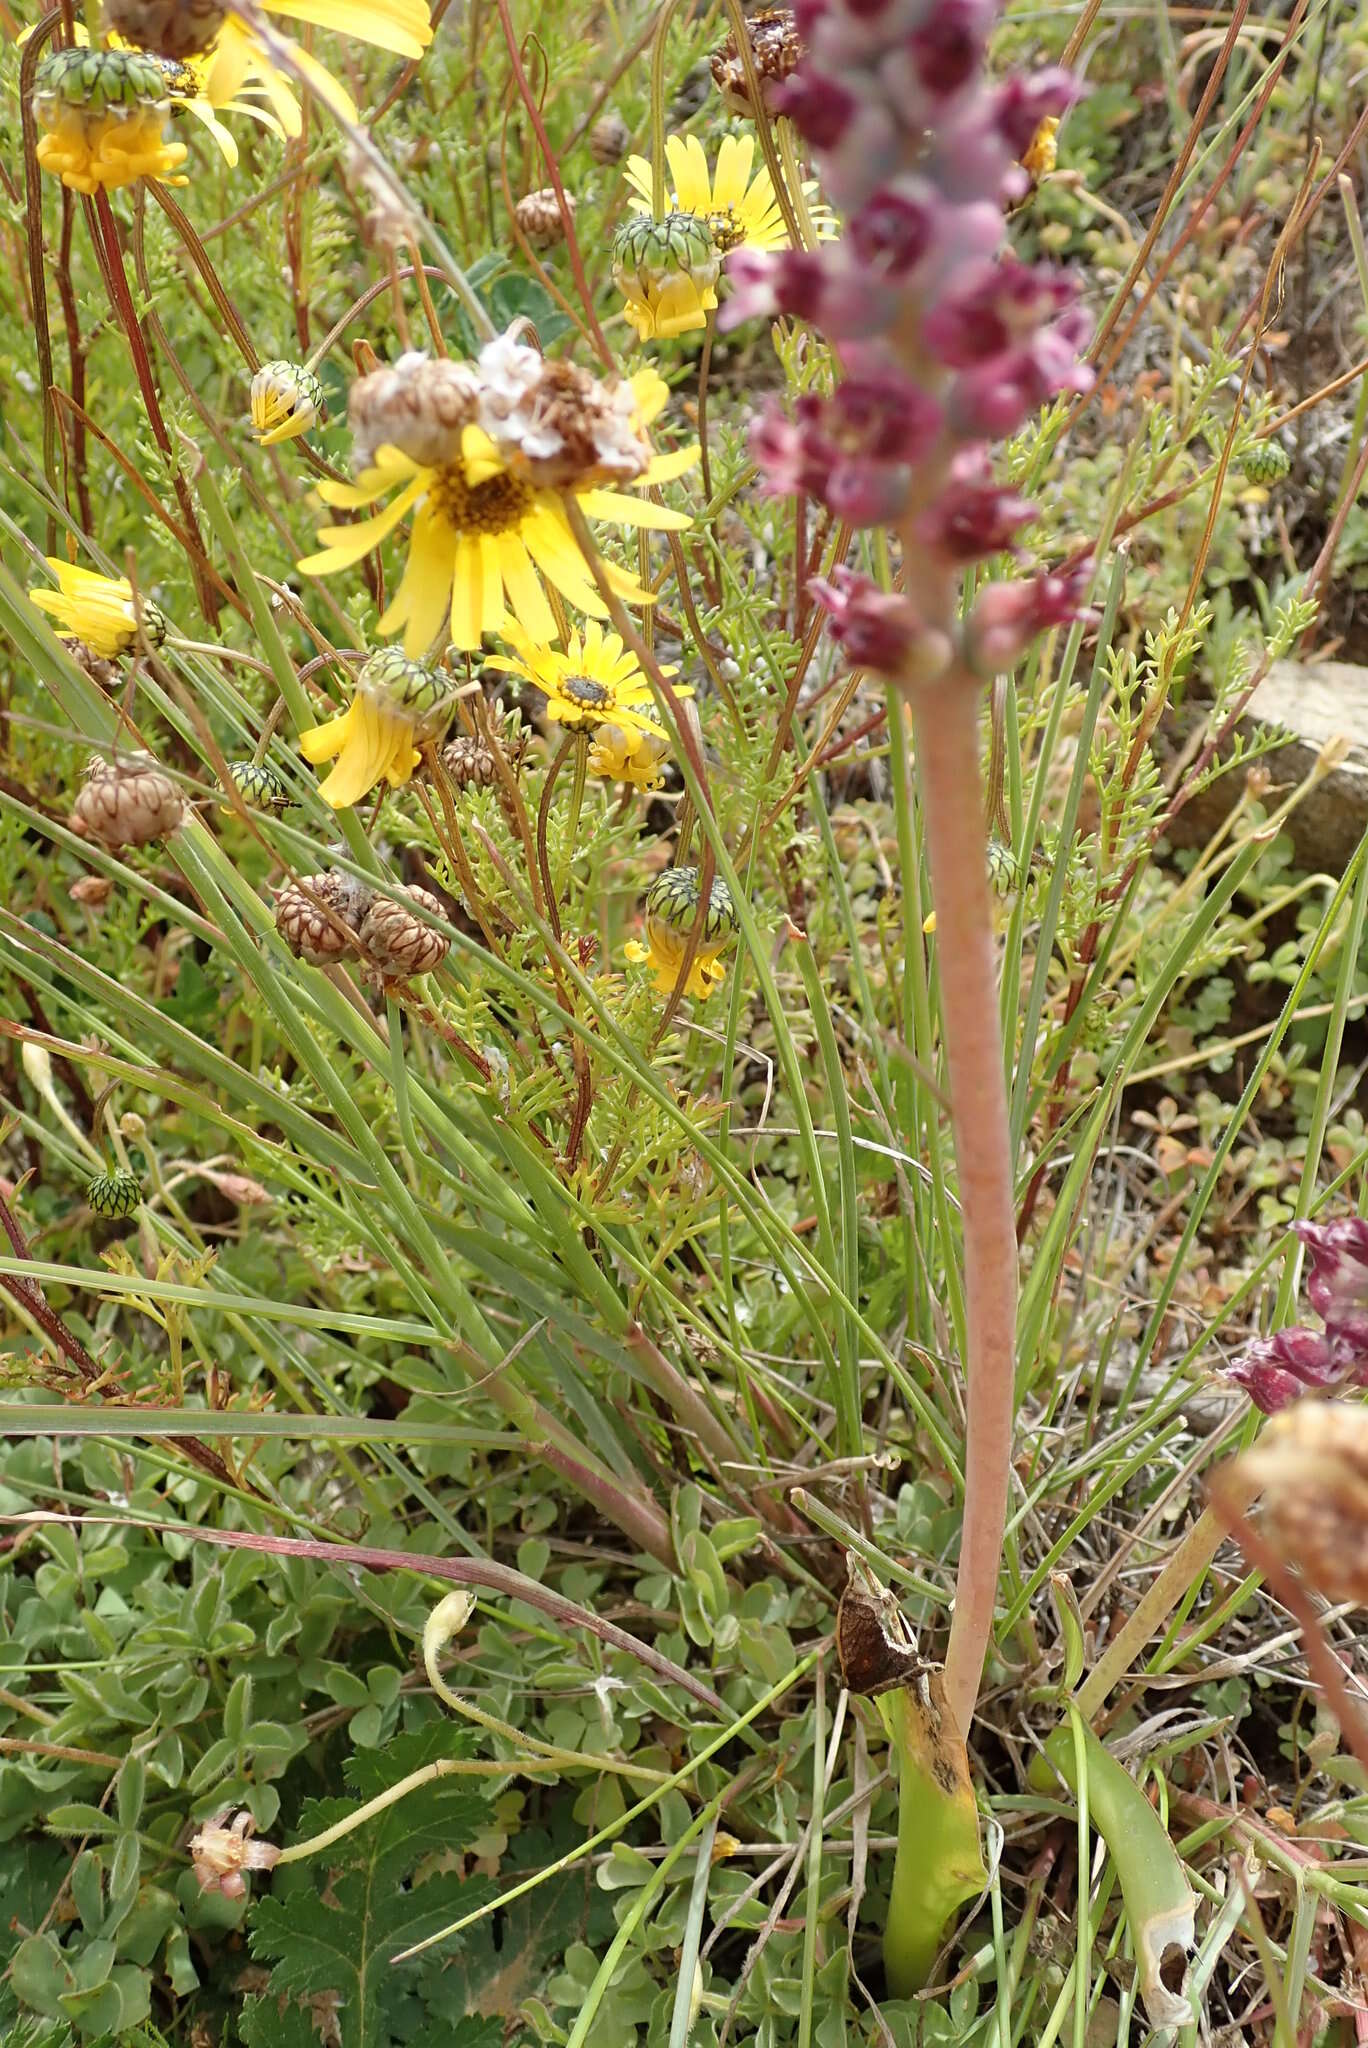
[(583, 690), (497, 505)]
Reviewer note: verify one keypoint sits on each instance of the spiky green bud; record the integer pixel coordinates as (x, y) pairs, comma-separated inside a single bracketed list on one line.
[(648, 253), (422, 693), (673, 899), (101, 80), (260, 786), (1267, 462), (114, 1194)]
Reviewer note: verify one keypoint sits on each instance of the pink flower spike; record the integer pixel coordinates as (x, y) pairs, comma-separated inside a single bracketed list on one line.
[(1021, 104), (948, 49), (995, 306), (825, 287), (1337, 1286), (1279, 1369), (974, 515), (879, 629), (895, 228), (1007, 617)]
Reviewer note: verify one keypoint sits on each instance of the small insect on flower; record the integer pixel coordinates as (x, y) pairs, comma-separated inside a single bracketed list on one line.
[(99, 610), (287, 400), (114, 1194), (397, 704), (593, 683), (672, 903), (222, 1855), (103, 116), (667, 272)]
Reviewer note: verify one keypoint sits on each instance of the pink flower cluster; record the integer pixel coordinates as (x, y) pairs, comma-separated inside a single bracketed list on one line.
[(946, 341), (1275, 1371)]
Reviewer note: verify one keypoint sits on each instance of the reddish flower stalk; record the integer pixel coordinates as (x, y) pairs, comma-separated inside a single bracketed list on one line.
[(945, 342)]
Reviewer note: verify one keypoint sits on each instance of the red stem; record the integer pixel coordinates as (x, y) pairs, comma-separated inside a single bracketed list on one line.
[(945, 719)]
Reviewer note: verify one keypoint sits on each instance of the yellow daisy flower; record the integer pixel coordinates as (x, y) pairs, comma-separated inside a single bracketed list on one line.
[(593, 681), (103, 116), (671, 911), (99, 610), (483, 540), (396, 705), (741, 211)]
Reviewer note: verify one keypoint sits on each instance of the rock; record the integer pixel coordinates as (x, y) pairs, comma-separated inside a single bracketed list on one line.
[(1323, 708)]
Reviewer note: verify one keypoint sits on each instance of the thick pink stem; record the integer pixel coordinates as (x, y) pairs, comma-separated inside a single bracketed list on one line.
[(945, 719)]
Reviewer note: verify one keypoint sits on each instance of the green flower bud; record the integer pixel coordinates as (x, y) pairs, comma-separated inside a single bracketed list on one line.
[(1004, 869), (101, 80), (114, 1194), (260, 786), (1267, 462), (287, 400), (424, 694), (673, 899), (648, 253)]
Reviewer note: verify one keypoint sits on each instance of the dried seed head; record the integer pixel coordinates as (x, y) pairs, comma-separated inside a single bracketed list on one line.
[(172, 28), (775, 49), (400, 944), (126, 803), (555, 423), (1312, 1464), (259, 786), (114, 1194), (469, 763), (539, 216), (320, 915), (96, 667), (420, 405), (91, 891), (608, 138)]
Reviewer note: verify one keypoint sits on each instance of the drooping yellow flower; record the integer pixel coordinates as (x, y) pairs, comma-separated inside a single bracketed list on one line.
[(287, 399), (99, 610), (103, 115), (397, 704), (671, 912), (667, 273), (484, 538), (741, 211), (593, 682), (618, 753)]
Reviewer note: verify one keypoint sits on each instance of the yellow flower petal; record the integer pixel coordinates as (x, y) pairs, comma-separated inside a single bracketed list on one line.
[(325, 742), (734, 160), (346, 545), (616, 505), (402, 26), (526, 598)]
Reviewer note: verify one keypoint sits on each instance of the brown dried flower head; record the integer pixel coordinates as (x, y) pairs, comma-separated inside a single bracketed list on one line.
[(1311, 1463), (223, 1853), (469, 763), (420, 405), (399, 944), (100, 671), (561, 427), (128, 802), (539, 216), (608, 138), (775, 50), (171, 28), (320, 915)]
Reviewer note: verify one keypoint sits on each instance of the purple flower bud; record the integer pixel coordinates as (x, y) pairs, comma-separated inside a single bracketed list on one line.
[(855, 449), (821, 107), (1007, 617), (825, 287), (1279, 1369), (948, 49), (846, 116), (894, 229), (878, 629), (1337, 1286), (974, 515), (1021, 104), (998, 396), (969, 157), (994, 306)]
